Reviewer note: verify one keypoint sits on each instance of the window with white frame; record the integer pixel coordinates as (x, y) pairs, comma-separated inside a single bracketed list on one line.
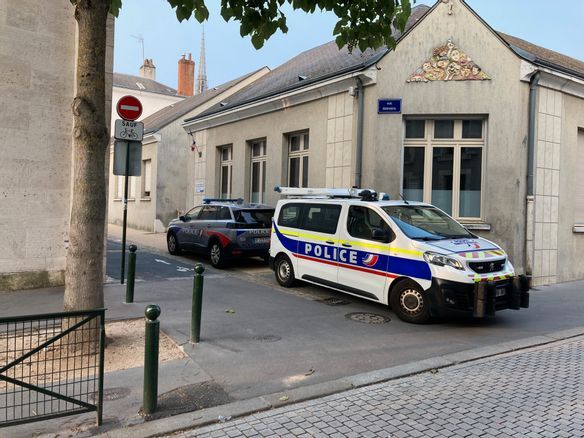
[(443, 164), (225, 170), (132, 187), (298, 144), (258, 170), (146, 178)]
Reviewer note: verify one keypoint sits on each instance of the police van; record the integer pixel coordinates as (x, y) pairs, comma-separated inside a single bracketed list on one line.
[(409, 255)]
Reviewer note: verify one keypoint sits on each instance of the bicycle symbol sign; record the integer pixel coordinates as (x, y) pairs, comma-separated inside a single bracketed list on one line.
[(127, 130)]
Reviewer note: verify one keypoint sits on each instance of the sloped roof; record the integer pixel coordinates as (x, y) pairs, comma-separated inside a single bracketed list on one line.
[(311, 66), (544, 57), (131, 82), (170, 113)]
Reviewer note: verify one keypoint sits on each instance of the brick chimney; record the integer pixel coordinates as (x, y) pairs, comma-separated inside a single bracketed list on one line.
[(148, 70), (186, 76)]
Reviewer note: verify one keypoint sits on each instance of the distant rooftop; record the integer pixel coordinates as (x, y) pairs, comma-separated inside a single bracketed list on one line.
[(170, 113), (140, 83)]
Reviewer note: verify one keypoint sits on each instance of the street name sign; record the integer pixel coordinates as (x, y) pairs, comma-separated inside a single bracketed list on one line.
[(389, 106), (129, 108), (128, 130)]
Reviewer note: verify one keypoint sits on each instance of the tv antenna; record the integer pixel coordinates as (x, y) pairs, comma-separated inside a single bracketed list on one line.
[(140, 39)]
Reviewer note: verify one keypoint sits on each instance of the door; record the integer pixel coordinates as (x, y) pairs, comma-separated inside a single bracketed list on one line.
[(363, 259), (318, 243), (204, 227), (185, 231)]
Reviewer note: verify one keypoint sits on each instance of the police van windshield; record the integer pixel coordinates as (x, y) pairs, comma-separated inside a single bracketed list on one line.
[(425, 223)]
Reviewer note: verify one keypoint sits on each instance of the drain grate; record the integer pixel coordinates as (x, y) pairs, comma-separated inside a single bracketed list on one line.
[(334, 301), (367, 318), (267, 338)]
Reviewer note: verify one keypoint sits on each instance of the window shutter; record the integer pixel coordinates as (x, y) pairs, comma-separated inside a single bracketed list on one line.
[(579, 182)]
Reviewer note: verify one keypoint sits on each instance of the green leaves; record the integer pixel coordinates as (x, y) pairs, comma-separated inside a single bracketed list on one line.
[(362, 23)]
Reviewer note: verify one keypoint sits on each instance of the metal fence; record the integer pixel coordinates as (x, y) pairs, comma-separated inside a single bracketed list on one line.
[(51, 366)]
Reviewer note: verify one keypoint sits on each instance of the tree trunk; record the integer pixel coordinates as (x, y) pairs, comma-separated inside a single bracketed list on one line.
[(84, 271)]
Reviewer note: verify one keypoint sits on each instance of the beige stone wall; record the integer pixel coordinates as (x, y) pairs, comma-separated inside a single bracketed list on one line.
[(339, 141), (570, 245), (37, 67), (502, 101), (273, 127)]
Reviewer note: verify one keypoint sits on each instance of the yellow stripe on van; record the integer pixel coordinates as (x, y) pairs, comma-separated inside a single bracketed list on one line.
[(378, 247)]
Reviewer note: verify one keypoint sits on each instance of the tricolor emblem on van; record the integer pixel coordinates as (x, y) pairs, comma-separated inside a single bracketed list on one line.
[(409, 255)]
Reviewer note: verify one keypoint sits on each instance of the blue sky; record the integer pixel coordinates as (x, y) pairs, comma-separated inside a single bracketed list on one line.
[(557, 25)]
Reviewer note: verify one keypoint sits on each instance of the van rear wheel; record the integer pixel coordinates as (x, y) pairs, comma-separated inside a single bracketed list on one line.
[(409, 302), (284, 271)]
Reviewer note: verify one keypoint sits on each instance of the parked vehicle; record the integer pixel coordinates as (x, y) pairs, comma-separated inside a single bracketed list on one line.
[(410, 255), (224, 229)]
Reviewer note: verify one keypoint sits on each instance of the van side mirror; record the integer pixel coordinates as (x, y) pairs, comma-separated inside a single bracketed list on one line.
[(182, 218), (379, 234)]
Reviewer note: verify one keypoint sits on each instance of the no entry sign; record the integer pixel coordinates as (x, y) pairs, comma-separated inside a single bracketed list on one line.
[(129, 108)]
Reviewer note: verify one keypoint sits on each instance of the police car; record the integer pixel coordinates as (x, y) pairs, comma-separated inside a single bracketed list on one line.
[(224, 229), (409, 255)]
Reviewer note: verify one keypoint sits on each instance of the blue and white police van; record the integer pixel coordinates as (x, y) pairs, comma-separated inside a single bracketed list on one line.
[(409, 255)]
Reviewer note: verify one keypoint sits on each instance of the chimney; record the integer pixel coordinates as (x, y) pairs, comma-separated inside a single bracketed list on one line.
[(148, 70), (186, 76)]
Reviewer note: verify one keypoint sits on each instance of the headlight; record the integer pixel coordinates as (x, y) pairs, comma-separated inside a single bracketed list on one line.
[(442, 260)]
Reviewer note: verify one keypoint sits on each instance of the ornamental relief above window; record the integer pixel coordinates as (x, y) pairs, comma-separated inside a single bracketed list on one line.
[(449, 63)]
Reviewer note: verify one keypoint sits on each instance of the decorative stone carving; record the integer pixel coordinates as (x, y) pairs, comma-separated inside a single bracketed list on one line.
[(449, 63)]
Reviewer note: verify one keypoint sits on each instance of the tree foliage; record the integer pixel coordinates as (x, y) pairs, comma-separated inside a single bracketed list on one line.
[(361, 23)]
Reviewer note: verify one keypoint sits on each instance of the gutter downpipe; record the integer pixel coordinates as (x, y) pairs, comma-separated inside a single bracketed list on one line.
[(359, 143), (530, 199)]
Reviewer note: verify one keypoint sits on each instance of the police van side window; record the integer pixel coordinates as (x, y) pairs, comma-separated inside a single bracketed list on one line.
[(361, 221), (290, 215), (322, 218)]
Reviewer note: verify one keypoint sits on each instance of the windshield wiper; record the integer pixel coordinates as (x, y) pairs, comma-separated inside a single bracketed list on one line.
[(460, 236), (427, 238)]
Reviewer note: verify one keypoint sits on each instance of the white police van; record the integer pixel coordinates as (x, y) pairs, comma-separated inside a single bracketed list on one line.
[(410, 255)]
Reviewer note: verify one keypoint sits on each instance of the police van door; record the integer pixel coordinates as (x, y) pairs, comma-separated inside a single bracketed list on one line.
[(363, 237), (318, 243)]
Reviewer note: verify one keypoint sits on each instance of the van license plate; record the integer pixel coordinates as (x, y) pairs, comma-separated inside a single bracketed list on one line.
[(500, 292)]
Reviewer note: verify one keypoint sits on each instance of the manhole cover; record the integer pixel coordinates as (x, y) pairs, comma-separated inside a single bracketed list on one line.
[(334, 301), (111, 394), (267, 338), (367, 318)]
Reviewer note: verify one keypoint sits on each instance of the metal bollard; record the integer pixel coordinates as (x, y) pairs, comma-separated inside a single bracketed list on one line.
[(131, 274), (197, 303), (152, 312)]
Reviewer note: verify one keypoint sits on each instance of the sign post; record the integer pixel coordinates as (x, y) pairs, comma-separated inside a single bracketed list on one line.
[(129, 108)]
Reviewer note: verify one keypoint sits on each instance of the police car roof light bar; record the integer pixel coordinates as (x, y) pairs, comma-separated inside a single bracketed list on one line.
[(235, 200), (323, 192)]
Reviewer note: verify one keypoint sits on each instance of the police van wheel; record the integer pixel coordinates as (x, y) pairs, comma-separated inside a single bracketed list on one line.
[(284, 271), (409, 303), (172, 244)]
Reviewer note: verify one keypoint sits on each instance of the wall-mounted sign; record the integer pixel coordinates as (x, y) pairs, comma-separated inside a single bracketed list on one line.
[(389, 106), (200, 187)]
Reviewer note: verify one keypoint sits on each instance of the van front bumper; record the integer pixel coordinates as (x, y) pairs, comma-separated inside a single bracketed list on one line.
[(478, 299)]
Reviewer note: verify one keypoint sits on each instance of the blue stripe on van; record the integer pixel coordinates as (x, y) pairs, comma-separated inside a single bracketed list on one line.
[(345, 256)]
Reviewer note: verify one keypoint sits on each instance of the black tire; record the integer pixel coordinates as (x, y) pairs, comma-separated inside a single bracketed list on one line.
[(410, 303), (172, 244), (216, 254), (284, 271)]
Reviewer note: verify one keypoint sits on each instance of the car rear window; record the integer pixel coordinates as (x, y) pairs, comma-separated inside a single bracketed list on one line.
[(255, 218)]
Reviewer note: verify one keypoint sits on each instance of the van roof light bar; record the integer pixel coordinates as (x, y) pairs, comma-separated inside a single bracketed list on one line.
[(308, 192)]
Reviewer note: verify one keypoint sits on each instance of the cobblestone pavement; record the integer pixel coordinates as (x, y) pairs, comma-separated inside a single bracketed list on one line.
[(532, 393)]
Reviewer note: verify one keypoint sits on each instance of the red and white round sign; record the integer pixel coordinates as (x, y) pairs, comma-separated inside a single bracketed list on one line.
[(129, 108)]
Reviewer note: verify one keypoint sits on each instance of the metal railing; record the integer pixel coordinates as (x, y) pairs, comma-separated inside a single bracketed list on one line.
[(51, 366)]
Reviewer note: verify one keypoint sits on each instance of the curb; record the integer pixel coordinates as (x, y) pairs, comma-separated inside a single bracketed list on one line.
[(204, 417)]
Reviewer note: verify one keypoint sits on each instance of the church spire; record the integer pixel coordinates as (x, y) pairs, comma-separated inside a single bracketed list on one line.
[(202, 74)]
